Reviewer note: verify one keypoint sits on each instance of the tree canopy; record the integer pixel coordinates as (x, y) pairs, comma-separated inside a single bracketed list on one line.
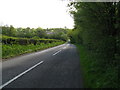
[(97, 27), (52, 33)]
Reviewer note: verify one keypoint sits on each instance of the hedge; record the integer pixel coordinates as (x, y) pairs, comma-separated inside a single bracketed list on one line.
[(25, 41)]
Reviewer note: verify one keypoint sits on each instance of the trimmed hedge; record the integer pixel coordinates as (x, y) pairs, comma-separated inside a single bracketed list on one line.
[(25, 41)]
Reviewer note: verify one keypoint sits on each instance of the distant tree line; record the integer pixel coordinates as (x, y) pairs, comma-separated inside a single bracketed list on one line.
[(52, 33)]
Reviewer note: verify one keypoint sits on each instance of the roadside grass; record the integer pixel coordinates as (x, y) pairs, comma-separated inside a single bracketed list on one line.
[(16, 49), (94, 75)]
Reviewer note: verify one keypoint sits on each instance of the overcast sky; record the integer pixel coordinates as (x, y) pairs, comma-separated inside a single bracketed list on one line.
[(35, 13)]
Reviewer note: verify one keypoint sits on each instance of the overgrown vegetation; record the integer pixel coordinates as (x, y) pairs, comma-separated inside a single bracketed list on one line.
[(97, 29), (16, 41), (25, 41), (94, 75), (35, 33), (17, 49)]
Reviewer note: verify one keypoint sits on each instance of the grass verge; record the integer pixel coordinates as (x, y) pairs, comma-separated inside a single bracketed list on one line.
[(15, 50), (96, 76)]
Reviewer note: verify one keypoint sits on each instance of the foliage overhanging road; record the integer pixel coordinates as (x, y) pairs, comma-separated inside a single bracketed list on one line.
[(60, 68)]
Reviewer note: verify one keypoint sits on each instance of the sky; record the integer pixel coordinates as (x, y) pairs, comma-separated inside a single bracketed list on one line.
[(35, 13)]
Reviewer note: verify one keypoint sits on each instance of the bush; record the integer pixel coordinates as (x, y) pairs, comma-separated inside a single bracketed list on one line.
[(26, 41), (16, 49)]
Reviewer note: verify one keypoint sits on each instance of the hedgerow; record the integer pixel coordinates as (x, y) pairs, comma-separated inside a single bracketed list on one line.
[(25, 41)]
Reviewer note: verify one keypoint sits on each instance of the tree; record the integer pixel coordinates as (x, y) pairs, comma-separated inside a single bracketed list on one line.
[(40, 32), (91, 30), (97, 26)]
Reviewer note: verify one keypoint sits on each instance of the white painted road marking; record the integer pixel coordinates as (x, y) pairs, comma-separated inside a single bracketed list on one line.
[(2, 86), (64, 47), (57, 52)]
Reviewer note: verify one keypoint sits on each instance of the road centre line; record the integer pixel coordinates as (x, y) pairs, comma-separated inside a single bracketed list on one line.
[(64, 47), (57, 52), (5, 84)]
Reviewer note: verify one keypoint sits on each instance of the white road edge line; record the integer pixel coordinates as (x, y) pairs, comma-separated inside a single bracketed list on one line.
[(2, 86), (57, 52)]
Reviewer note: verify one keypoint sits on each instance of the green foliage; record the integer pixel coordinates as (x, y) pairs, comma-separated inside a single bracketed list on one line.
[(25, 41), (17, 41), (95, 76), (74, 36), (57, 33), (17, 49), (97, 28), (40, 32), (12, 46), (52, 33)]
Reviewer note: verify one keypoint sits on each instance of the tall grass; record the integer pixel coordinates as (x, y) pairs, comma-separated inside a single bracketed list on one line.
[(96, 76), (16, 49)]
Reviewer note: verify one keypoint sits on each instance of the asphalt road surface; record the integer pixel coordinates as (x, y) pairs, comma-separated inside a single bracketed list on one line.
[(57, 67)]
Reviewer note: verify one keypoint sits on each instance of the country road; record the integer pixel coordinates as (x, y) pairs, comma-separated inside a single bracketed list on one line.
[(57, 67)]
